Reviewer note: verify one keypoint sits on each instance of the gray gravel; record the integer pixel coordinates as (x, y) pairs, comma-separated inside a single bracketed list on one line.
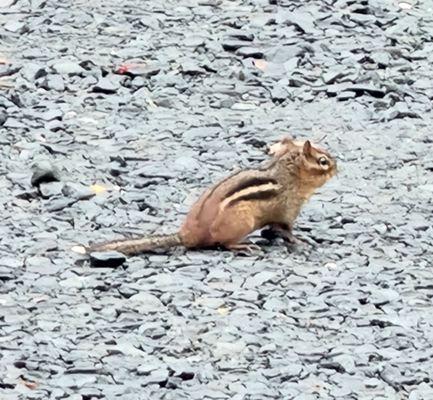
[(115, 115)]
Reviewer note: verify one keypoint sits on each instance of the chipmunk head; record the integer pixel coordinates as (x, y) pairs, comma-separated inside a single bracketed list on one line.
[(316, 166)]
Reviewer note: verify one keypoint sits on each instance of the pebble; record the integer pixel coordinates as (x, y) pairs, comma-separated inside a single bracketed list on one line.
[(15, 27), (259, 279), (50, 189), (346, 95), (68, 68), (249, 52), (77, 191), (44, 171), (109, 259), (54, 82), (6, 3), (106, 86), (143, 69)]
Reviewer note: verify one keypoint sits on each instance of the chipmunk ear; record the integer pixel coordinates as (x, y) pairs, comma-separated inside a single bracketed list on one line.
[(279, 148), (307, 148)]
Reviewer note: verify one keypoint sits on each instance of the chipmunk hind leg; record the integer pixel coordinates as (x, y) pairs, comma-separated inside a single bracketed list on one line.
[(231, 226)]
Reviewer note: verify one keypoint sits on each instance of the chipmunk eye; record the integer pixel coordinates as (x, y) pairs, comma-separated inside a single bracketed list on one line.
[(323, 161)]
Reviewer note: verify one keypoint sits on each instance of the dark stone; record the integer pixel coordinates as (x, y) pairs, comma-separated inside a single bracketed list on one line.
[(230, 44), (109, 259), (249, 52), (371, 90), (3, 118), (44, 171), (6, 274)]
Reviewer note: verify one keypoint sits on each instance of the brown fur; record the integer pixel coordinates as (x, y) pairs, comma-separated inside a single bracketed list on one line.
[(246, 201)]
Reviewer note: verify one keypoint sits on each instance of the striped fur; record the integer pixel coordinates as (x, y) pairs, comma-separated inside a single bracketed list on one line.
[(255, 191)]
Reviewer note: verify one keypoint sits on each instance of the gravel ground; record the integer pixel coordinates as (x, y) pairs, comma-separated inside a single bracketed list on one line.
[(115, 115)]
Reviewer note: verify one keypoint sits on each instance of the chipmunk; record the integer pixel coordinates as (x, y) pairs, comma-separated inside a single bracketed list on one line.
[(244, 202)]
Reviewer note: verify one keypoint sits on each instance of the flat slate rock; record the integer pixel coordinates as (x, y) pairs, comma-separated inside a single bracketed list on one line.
[(67, 68), (44, 171), (114, 120), (109, 259)]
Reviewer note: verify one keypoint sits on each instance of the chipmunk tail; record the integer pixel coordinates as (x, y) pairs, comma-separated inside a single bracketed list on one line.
[(136, 246)]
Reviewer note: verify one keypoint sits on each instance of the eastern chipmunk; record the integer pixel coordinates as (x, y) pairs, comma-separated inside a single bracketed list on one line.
[(245, 201)]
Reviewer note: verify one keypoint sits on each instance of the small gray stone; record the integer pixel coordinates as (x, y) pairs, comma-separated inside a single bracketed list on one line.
[(148, 368), (250, 52), (68, 68), (228, 349), (158, 376), (52, 114), (14, 123), (50, 189), (54, 82), (143, 70), (16, 27), (32, 71), (44, 171), (147, 302), (77, 191), (232, 45), (333, 75), (106, 86), (41, 265), (259, 279), (106, 259), (54, 125), (279, 93), (346, 95)]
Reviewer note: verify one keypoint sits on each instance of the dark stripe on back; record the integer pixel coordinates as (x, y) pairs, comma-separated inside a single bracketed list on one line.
[(259, 195), (217, 185), (251, 182)]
